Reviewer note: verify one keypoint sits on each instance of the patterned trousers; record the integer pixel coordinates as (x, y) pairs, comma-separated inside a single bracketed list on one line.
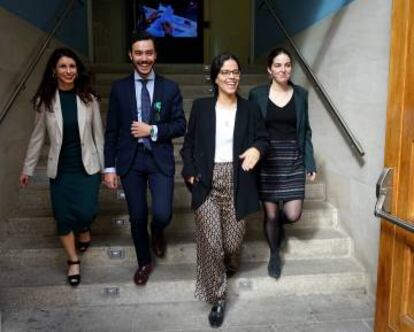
[(219, 236)]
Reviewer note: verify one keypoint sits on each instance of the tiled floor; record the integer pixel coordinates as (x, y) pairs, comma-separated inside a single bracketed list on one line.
[(322, 313)]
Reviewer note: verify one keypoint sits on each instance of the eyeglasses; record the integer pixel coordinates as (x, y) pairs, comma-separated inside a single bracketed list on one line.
[(227, 73)]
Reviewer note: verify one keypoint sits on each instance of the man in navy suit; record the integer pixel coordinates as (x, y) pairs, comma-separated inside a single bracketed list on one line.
[(145, 114)]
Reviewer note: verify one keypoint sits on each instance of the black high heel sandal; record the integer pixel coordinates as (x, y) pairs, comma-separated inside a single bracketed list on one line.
[(84, 245), (74, 280)]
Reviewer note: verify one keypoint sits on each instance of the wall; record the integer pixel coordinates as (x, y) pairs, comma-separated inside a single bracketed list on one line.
[(226, 32), (109, 28), (349, 52), (43, 14), (296, 16), (19, 39)]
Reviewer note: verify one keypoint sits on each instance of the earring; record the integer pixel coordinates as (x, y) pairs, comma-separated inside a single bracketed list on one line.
[(54, 74)]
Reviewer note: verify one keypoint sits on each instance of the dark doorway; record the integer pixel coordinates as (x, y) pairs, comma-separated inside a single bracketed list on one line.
[(177, 25)]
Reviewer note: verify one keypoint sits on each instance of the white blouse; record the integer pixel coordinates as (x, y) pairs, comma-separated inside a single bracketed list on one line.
[(225, 120)]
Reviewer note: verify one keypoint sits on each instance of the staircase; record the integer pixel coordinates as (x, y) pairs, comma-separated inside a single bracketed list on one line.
[(318, 257)]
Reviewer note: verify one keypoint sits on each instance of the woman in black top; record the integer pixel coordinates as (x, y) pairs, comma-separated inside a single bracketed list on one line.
[(282, 176), (67, 109)]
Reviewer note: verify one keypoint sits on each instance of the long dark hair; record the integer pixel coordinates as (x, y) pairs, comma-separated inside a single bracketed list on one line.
[(216, 65), (47, 88)]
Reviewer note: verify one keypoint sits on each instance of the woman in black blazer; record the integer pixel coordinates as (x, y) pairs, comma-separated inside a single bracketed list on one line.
[(282, 176), (226, 137)]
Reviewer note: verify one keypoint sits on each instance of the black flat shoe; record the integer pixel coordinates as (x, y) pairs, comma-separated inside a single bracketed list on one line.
[(216, 315), (230, 272), (74, 280), (275, 265), (83, 246)]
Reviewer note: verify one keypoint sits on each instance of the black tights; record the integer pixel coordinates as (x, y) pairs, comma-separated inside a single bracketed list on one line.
[(274, 218)]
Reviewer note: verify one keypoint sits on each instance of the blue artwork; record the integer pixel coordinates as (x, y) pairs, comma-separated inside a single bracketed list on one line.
[(163, 21)]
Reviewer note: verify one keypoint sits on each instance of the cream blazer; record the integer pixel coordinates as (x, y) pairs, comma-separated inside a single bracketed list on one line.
[(91, 137)]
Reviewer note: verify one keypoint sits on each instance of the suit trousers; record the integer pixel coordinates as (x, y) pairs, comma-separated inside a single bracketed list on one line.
[(145, 173)]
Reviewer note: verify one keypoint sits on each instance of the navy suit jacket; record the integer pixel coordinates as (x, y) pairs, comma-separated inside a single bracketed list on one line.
[(166, 113)]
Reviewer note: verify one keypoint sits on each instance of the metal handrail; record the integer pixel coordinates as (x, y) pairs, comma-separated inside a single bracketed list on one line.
[(317, 85), (29, 69), (382, 209)]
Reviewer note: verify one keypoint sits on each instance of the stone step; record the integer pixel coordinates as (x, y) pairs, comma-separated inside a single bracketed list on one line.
[(187, 91), (168, 69), (40, 180), (184, 79), (104, 102), (312, 313), (177, 145), (103, 286), (38, 220), (118, 250), (38, 195)]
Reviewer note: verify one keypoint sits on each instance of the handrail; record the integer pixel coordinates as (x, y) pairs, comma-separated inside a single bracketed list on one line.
[(384, 197), (29, 69), (317, 85)]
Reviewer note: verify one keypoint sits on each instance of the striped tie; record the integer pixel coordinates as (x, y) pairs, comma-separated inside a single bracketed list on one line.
[(145, 110)]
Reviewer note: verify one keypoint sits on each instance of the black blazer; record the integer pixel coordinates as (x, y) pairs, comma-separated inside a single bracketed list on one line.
[(166, 113), (199, 149), (260, 96)]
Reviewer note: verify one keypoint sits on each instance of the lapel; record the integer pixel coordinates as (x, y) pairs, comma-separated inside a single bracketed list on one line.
[(239, 129), (210, 123), (157, 96), (81, 109), (263, 98), (131, 97), (298, 107), (57, 111)]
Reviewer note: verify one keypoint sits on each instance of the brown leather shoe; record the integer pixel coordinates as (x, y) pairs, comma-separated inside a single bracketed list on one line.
[(159, 245), (142, 274)]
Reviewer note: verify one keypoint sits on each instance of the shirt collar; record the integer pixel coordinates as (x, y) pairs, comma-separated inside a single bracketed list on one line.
[(150, 77)]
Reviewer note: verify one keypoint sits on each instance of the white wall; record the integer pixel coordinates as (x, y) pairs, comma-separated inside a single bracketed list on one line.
[(19, 41), (350, 53)]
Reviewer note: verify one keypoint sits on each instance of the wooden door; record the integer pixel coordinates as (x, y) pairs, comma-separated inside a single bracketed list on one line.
[(395, 288)]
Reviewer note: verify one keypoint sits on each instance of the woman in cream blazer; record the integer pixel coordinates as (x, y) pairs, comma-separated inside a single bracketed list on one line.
[(67, 110)]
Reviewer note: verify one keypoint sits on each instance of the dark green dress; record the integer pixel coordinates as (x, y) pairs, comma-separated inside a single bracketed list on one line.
[(74, 193)]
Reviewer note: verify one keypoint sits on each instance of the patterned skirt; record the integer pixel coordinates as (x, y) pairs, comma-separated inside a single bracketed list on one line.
[(282, 173)]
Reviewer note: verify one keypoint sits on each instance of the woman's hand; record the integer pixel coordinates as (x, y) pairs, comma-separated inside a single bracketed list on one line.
[(311, 176), (190, 179), (250, 158), (24, 180)]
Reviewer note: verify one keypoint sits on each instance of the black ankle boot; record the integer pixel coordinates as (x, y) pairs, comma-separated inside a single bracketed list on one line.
[(216, 315), (275, 265)]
